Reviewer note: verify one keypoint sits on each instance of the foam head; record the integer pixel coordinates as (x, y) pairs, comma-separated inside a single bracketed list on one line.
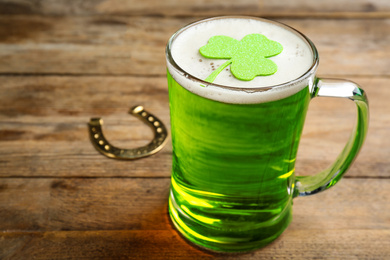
[(295, 60)]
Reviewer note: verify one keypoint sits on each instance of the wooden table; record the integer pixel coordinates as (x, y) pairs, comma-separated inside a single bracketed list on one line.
[(63, 62)]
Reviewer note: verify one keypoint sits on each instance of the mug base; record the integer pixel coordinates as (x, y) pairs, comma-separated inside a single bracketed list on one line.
[(228, 241)]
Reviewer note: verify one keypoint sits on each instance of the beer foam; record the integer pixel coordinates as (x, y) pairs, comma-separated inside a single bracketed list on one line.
[(293, 62)]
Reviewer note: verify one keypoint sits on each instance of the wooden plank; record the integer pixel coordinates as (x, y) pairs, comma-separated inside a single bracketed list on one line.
[(65, 98), (293, 244), (189, 8), (112, 45), (55, 204), (37, 204), (100, 218), (43, 127), (96, 245)]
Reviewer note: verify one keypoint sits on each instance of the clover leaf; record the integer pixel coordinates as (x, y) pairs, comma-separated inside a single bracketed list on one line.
[(248, 57)]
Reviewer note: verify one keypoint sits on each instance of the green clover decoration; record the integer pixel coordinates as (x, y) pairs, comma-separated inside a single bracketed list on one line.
[(248, 57)]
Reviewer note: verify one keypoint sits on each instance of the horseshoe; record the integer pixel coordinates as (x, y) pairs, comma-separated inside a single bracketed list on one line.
[(103, 146)]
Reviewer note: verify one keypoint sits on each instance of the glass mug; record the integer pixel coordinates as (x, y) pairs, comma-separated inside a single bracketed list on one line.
[(233, 174)]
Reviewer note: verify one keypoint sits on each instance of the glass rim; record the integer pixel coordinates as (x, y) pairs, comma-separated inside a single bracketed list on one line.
[(189, 76)]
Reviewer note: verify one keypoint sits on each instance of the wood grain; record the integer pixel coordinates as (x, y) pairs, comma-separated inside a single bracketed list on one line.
[(299, 8), (110, 45), (100, 218), (55, 204), (43, 127), (167, 244)]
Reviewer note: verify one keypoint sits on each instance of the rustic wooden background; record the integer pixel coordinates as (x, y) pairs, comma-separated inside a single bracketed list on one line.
[(62, 62)]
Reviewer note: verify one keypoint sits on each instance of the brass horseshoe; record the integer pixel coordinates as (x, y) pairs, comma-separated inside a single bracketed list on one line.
[(103, 146)]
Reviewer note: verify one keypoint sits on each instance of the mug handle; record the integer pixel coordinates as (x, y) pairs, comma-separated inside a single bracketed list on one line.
[(309, 185)]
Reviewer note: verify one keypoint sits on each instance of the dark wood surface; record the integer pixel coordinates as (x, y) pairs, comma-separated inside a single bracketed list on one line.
[(63, 62)]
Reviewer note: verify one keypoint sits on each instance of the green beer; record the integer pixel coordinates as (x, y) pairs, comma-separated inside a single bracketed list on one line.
[(234, 142), (233, 164)]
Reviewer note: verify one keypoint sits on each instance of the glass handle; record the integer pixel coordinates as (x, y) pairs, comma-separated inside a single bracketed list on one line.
[(309, 185)]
